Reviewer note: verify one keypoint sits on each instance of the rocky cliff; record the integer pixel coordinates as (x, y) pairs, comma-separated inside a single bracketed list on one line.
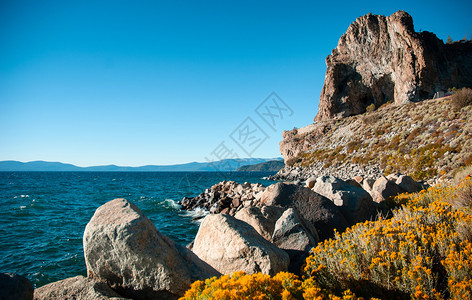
[(381, 59)]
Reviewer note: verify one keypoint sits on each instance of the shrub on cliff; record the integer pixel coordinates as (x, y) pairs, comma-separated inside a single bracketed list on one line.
[(462, 98)]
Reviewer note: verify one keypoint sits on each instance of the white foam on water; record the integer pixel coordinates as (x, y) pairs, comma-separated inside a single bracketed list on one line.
[(197, 215), (22, 207), (169, 203)]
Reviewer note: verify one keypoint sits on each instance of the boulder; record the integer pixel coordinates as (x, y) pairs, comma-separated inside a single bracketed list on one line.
[(296, 236), (310, 182), (408, 184), (354, 202), (125, 250), (384, 189), (77, 287), (367, 184), (261, 219), (231, 245), (321, 212), (354, 182), (393, 177), (15, 287), (358, 179)]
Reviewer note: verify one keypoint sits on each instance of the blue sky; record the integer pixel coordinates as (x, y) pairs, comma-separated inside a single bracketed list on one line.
[(165, 82)]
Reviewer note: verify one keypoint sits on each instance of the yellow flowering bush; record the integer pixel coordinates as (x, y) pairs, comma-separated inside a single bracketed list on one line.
[(424, 250), (284, 286)]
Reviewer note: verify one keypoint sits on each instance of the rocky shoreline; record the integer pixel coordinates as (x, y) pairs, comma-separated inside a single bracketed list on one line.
[(248, 227), (345, 171), (253, 228)]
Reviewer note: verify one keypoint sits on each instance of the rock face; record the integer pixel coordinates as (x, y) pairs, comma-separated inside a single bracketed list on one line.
[(296, 236), (408, 184), (384, 189), (15, 287), (354, 202), (382, 59), (230, 245), (76, 288), (262, 219), (316, 209), (293, 232), (124, 249)]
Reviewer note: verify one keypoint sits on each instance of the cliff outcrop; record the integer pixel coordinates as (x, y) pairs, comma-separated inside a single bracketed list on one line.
[(381, 59)]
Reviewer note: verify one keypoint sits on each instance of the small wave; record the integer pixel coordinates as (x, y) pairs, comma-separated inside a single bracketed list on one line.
[(22, 207), (21, 196), (197, 214), (169, 203)]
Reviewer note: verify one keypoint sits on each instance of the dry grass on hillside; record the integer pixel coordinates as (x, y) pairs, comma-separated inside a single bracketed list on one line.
[(429, 139)]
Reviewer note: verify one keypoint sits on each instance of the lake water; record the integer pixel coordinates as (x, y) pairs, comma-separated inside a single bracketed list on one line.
[(43, 214)]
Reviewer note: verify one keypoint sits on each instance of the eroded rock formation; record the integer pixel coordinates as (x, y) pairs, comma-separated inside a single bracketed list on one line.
[(382, 59)]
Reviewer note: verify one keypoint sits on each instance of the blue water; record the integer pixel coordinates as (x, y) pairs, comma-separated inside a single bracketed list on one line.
[(43, 214)]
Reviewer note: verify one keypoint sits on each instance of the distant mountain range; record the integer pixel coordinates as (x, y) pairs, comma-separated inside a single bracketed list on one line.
[(227, 165)]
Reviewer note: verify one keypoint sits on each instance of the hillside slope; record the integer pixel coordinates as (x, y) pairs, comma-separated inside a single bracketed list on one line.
[(429, 140)]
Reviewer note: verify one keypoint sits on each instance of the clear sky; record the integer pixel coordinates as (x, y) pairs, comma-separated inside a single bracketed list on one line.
[(165, 82)]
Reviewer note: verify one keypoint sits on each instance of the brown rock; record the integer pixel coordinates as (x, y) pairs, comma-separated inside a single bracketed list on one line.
[(261, 219), (231, 245), (316, 209), (296, 236), (77, 287), (408, 184), (384, 189), (310, 182), (293, 232), (124, 249), (382, 58), (353, 201), (358, 179), (236, 202)]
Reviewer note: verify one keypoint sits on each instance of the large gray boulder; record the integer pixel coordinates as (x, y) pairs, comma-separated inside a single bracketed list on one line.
[(384, 189), (296, 236), (125, 250), (408, 184), (355, 203), (262, 219), (315, 208), (293, 232), (78, 287), (15, 287), (230, 245)]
